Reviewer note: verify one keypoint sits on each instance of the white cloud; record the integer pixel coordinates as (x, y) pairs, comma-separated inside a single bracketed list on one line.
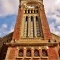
[(4, 25), (55, 30), (59, 27), (0, 34), (8, 7), (58, 1), (52, 9), (11, 29), (4, 29)]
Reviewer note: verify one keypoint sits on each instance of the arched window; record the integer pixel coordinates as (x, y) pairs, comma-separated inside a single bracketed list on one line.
[(21, 53), (44, 52), (36, 53), (32, 27), (38, 26), (28, 53), (26, 27)]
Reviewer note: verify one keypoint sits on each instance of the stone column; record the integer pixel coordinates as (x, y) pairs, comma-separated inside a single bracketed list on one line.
[(26, 10), (29, 21), (40, 52), (22, 30), (24, 52), (47, 52), (30, 10), (35, 34), (32, 51), (33, 10)]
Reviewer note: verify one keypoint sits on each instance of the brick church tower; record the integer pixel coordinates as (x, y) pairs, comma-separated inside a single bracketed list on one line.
[(32, 39)]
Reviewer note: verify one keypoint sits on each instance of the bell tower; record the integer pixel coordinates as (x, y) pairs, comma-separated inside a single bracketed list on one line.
[(32, 19), (31, 33)]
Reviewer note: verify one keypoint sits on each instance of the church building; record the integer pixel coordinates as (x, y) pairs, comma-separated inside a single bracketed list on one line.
[(32, 39)]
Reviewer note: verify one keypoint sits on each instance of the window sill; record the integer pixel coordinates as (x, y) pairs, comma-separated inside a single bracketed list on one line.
[(36, 57), (19, 57), (27, 57), (45, 57), (22, 57)]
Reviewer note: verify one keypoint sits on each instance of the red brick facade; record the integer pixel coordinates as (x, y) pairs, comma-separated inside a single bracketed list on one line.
[(16, 33), (45, 26), (53, 55), (52, 51)]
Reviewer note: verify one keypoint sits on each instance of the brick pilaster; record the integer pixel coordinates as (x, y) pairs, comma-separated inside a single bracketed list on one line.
[(52, 54), (11, 53), (44, 23), (17, 29)]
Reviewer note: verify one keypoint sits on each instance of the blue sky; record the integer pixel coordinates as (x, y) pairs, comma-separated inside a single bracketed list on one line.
[(7, 24), (9, 11)]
